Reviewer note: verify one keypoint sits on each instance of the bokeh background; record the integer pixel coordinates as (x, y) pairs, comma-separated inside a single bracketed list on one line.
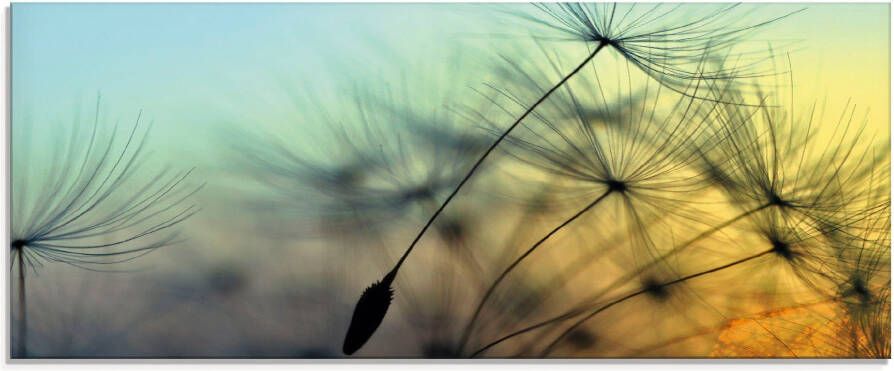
[(255, 276)]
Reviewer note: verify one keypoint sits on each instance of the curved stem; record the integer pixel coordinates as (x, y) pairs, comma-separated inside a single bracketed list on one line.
[(574, 313), (488, 152), (390, 276), (592, 314), (490, 290), (575, 268)]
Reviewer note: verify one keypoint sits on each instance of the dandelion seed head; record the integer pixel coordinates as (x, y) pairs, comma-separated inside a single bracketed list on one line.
[(97, 202), (634, 149), (775, 200), (817, 173), (18, 244), (616, 185), (782, 249), (655, 289), (672, 43), (858, 288)]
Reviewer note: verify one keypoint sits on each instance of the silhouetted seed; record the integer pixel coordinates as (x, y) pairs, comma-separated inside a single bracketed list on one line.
[(369, 313), (18, 244), (581, 339)]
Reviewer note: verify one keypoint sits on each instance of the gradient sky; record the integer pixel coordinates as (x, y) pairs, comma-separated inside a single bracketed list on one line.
[(181, 61)]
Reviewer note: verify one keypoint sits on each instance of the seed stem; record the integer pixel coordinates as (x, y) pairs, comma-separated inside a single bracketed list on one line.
[(468, 329), (23, 311), (592, 314), (490, 149), (609, 305), (675, 250), (389, 278)]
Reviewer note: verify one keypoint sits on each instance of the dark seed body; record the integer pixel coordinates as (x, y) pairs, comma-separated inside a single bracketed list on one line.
[(368, 314)]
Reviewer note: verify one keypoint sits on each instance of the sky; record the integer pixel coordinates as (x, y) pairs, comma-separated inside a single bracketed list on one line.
[(178, 62)]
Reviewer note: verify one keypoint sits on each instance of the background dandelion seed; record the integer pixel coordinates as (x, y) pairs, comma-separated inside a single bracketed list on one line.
[(737, 158)]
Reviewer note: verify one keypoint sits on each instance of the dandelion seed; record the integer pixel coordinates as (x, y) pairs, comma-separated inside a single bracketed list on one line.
[(389, 166), (771, 157), (369, 313), (90, 212), (665, 41), (644, 167)]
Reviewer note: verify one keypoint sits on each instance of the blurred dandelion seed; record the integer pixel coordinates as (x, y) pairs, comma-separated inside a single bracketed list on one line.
[(91, 211)]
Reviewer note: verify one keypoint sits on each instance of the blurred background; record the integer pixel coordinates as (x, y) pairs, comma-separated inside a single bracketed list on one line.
[(270, 268)]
